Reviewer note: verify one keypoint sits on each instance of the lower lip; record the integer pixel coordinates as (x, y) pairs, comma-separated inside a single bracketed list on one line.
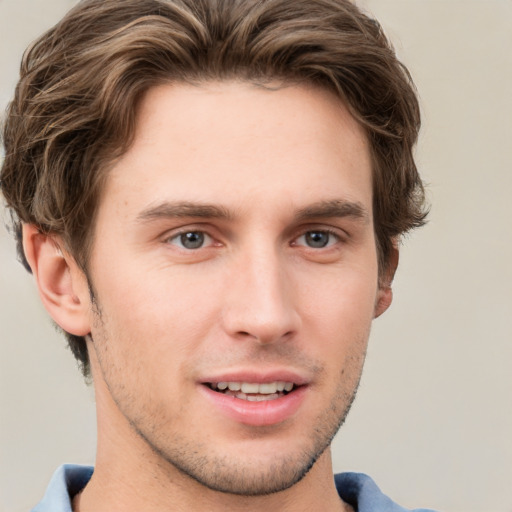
[(267, 412)]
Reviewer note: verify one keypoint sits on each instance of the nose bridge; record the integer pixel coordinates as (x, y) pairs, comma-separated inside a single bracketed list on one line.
[(259, 303)]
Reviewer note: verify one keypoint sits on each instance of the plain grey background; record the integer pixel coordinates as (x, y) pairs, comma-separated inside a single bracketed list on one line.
[(433, 420)]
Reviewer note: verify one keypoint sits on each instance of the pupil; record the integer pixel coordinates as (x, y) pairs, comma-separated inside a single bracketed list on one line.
[(192, 240), (317, 239)]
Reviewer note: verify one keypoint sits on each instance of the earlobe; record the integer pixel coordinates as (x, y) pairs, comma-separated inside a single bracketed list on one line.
[(385, 292), (62, 285)]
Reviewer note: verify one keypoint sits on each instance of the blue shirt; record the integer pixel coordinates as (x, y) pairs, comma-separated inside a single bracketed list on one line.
[(357, 489)]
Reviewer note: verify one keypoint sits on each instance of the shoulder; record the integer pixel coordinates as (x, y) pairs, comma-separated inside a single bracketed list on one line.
[(68, 480), (362, 493)]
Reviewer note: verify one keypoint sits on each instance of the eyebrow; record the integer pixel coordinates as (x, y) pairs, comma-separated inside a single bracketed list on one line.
[(334, 208), (184, 209)]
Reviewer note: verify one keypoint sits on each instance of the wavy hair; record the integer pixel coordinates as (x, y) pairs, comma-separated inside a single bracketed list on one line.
[(74, 109)]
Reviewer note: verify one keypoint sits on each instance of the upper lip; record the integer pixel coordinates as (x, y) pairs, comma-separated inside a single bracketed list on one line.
[(257, 376)]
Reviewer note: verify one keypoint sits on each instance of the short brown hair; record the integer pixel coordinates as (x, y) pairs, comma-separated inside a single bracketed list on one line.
[(75, 104)]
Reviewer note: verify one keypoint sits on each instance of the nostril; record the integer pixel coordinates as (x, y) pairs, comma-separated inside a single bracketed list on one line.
[(265, 337)]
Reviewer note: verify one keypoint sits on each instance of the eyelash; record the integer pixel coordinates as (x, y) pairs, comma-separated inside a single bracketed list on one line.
[(180, 235), (329, 232), (205, 236)]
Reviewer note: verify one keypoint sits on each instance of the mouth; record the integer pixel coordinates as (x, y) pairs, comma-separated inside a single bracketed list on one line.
[(256, 400), (253, 392)]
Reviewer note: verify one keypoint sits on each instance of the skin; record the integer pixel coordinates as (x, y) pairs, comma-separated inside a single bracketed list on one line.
[(258, 174)]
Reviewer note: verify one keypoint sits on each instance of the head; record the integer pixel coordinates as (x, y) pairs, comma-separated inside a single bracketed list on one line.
[(75, 106), (90, 91)]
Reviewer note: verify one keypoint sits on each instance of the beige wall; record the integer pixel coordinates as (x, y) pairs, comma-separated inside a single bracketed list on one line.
[(433, 420)]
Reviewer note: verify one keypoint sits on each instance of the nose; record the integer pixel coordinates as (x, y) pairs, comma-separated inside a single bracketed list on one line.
[(259, 299)]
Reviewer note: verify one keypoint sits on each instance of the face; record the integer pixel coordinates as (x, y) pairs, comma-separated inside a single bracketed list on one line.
[(234, 270)]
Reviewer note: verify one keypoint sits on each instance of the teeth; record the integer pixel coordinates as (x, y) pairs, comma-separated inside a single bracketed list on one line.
[(261, 398), (269, 388), (250, 388), (253, 388)]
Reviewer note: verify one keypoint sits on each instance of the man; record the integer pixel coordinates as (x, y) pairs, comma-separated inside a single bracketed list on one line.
[(210, 196)]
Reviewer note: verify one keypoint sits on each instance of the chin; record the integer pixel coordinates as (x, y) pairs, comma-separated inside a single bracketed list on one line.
[(250, 479)]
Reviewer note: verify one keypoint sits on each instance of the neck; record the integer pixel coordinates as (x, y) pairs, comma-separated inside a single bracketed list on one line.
[(133, 489)]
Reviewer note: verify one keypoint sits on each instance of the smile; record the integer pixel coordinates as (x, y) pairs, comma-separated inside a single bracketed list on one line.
[(253, 392)]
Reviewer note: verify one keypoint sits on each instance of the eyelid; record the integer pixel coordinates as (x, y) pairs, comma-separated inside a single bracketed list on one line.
[(190, 228), (329, 245), (339, 233), (208, 240)]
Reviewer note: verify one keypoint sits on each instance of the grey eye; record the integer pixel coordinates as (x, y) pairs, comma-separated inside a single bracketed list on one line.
[(317, 239), (190, 240)]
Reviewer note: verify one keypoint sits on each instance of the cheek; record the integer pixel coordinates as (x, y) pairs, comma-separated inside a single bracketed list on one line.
[(341, 301), (171, 309)]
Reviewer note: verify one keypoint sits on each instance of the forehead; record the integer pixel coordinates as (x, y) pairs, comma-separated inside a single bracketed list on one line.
[(238, 143)]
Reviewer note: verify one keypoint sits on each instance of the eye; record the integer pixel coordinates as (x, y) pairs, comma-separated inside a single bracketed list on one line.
[(317, 239), (191, 240)]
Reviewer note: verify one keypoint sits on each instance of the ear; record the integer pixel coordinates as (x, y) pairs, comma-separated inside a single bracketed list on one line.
[(62, 285), (385, 292)]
